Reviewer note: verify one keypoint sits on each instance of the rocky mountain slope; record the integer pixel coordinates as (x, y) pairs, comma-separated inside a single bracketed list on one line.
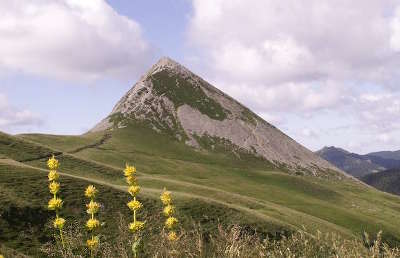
[(171, 99), (359, 165)]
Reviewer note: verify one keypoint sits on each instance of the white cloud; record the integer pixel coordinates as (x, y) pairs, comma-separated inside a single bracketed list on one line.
[(274, 42), (379, 112), (11, 117), (384, 137), (273, 58), (395, 27), (290, 41), (308, 132), (70, 39), (301, 98), (301, 57)]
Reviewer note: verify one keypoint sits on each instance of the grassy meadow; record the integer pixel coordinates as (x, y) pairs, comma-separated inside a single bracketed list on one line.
[(213, 189)]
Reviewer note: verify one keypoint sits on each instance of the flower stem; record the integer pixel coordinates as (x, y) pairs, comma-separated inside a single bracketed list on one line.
[(62, 239), (135, 251), (134, 221), (61, 233), (91, 250)]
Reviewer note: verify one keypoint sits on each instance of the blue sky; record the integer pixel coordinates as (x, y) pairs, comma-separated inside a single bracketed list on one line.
[(324, 73)]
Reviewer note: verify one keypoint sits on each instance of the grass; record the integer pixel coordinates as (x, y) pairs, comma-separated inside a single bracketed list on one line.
[(24, 215), (20, 149), (65, 143), (180, 91), (215, 184)]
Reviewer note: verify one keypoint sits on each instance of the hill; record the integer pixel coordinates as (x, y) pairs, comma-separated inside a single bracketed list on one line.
[(274, 188), (360, 165), (223, 187)]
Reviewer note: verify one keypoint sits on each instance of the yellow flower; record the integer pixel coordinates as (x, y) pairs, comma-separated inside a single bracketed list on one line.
[(92, 224), (53, 175), (54, 187), (166, 197), (136, 226), (92, 207), (168, 210), (1, 256), (134, 205), (59, 223), (55, 204), (172, 236), (134, 190), (92, 243), (52, 163), (129, 170), (170, 222), (90, 191), (131, 180)]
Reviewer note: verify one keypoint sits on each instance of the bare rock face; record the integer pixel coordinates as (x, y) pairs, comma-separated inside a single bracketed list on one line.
[(170, 98)]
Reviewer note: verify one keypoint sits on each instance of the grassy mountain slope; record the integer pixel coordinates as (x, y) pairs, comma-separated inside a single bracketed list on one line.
[(24, 217), (253, 192)]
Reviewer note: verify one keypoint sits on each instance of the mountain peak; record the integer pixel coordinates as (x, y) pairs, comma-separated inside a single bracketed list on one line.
[(166, 63), (332, 149), (171, 99)]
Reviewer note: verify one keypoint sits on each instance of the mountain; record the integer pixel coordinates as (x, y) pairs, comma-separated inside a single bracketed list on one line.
[(387, 181), (387, 154), (214, 179), (171, 99), (354, 164), (360, 165)]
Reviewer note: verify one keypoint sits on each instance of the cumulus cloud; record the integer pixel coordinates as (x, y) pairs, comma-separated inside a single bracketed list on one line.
[(395, 27), (287, 38), (275, 42), (70, 39), (308, 132), (299, 97), (11, 117), (379, 112), (301, 57)]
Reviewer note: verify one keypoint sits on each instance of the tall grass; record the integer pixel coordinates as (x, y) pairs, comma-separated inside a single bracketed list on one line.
[(230, 242)]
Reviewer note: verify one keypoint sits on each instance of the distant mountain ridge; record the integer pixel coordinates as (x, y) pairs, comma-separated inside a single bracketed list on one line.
[(387, 154), (360, 165), (387, 181), (171, 99)]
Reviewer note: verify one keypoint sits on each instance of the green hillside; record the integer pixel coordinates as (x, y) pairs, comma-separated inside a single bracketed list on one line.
[(209, 186), (24, 220)]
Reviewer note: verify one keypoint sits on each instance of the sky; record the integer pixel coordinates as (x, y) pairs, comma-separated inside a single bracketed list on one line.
[(325, 72)]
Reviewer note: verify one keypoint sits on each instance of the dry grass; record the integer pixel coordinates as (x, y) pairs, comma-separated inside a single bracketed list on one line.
[(226, 242)]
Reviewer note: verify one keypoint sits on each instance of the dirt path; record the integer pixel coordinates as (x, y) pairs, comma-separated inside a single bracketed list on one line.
[(103, 140)]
